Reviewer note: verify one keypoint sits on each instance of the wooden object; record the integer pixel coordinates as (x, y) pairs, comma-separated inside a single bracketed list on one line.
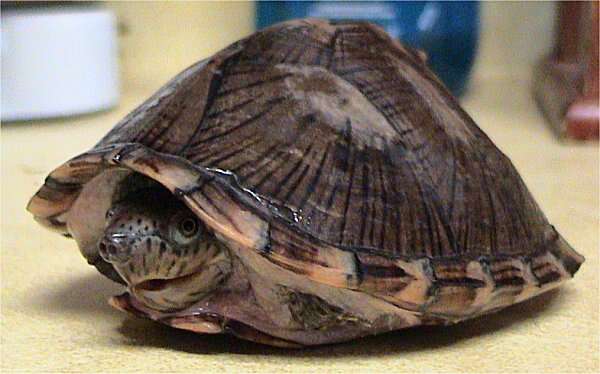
[(566, 81)]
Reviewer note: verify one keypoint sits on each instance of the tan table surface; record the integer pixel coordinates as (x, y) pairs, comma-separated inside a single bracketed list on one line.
[(55, 316)]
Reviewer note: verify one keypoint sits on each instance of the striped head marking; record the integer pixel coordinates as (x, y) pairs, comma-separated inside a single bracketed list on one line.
[(167, 256)]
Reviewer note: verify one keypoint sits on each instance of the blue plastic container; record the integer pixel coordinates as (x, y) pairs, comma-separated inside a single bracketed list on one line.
[(447, 31)]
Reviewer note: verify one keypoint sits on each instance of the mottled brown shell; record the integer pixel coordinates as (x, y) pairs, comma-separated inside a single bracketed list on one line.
[(334, 152)]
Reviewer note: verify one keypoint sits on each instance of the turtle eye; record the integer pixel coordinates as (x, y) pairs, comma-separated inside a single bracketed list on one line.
[(188, 227)]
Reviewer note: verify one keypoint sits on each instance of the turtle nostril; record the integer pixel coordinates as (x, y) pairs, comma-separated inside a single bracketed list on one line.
[(114, 249)]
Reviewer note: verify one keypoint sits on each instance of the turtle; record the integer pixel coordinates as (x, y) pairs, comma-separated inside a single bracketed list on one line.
[(312, 183)]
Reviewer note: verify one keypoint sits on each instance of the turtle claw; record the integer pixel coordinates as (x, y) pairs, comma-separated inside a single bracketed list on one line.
[(198, 324)]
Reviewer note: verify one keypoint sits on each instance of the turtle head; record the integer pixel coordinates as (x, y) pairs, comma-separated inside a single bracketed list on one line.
[(165, 254)]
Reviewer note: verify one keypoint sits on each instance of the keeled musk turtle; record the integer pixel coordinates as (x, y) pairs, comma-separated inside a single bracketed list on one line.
[(312, 183)]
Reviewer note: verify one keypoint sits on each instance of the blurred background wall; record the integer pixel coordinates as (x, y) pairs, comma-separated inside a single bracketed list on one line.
[(514, 35), (159, 39)]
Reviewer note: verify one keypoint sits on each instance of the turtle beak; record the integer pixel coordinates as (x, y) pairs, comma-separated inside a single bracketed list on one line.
[(106, 269)]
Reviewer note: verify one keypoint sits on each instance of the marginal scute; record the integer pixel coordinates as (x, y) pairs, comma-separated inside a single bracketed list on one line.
[(548, 269), (568, 257), (417, 291), (379, 274), (461, 286), (509, 272), (325, 263)]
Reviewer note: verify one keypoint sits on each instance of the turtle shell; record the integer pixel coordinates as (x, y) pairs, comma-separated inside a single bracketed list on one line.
[(333, 152)]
